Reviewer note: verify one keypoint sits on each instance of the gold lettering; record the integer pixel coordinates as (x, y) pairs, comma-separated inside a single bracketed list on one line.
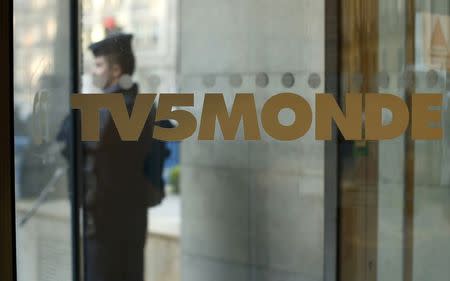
[(349, 124), (89, 106), (421, 116), (129, 127), (243, 109), (273, 106), (374, 120), (186, 121)]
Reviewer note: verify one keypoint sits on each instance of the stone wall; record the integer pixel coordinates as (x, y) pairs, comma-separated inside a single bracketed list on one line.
[(252, 210)]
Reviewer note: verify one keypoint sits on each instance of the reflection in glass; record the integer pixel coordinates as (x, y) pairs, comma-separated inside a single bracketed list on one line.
[(41, 101)]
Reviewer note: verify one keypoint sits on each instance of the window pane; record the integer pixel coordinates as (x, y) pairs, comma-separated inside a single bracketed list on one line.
[(42, 163), (246, 210), (430, 247), (395, 193)]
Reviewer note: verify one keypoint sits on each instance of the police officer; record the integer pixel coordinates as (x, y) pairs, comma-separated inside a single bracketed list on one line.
[(117, 191)]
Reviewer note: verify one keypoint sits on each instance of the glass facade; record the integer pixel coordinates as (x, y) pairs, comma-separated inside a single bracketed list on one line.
[(394, 194), (42, 81), (431, 194), (233, 210)]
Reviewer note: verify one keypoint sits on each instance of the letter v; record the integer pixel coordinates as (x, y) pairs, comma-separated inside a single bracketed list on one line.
[(130, 127)]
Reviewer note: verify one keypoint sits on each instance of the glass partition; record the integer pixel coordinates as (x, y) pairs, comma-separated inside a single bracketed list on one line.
[(240, 210), (430, 227), (42, 86), (395, 193)]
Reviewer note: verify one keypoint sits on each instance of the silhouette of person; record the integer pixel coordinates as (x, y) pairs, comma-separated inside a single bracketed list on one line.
[(117, 187)]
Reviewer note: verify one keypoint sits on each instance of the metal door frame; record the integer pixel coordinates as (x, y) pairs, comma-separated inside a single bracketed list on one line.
[(7, 229), (331, 176)]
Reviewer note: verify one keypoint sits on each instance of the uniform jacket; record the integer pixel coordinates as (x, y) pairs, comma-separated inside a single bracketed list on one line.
[(116, 189)]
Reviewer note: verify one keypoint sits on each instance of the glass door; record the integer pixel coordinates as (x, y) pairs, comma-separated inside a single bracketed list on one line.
[(240, 210), (429, 218), (43, 155), (233, 210), (394, 204)]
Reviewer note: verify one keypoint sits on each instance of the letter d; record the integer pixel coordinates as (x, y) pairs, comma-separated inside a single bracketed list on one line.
[(374, 121)]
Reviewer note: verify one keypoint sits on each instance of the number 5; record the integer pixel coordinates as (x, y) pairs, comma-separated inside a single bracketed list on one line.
[(187, 124)]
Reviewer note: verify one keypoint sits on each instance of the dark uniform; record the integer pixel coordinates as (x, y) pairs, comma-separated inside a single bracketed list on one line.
[(117, 195)]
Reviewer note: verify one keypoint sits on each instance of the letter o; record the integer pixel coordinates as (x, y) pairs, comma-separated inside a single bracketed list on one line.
[(278, 131)]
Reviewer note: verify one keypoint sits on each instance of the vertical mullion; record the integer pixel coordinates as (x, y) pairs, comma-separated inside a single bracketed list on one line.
[(76, 181), (331, 190), (7, 200), (358, 210), (408, 211)]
